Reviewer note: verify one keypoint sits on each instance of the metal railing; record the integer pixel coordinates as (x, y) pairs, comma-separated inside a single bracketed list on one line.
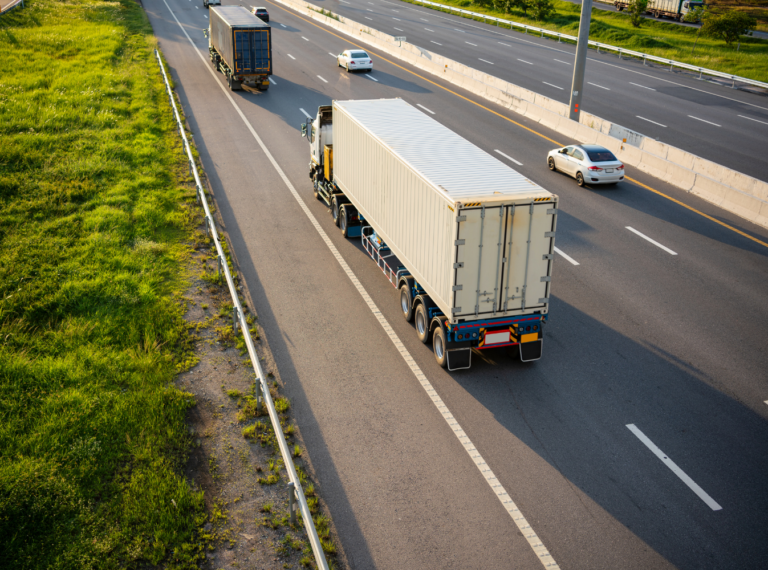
[(263, 396), (607, 47), (10, 6)]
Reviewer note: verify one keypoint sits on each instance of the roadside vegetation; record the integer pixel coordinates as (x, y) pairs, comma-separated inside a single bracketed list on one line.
[(94, 217), (745, 56)]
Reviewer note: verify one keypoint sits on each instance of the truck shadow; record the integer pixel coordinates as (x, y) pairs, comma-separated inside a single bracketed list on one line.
[(571, 410)]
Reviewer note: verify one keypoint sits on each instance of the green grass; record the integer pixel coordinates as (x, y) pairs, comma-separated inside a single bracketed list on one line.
[(93, 221), (663, 39)]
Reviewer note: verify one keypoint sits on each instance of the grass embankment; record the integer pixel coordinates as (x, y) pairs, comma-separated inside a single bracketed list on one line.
[(655, 37), (93, 221)]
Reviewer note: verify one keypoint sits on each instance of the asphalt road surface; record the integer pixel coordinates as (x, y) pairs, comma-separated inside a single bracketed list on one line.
[(672, 345), (727, 126)]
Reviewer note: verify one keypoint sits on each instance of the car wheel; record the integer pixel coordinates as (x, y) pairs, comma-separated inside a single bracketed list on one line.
[(347, 68), (551, 164), (579, 179)]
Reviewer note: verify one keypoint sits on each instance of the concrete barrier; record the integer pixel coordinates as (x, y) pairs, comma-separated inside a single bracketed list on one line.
[(731, 190)]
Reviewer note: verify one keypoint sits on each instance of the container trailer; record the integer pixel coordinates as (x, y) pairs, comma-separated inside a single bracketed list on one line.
[(675, 9), (466, 240), (240, 45)]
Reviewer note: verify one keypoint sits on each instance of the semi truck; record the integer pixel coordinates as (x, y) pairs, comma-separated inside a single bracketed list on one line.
[(240, 45), (467, 241), (675, 9)]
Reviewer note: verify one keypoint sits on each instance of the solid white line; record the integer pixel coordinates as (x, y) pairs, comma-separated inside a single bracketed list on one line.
[(485, 60), (306, 114), (423, 107), (509, 157), (567, 257), (470, 43), (565, 62), (645, 237), (289, 55), (371, 78), (654, 122), (398, 29), (502, 43), (643, 86), (272, 81), (751, 119), (703, 121), (433, 31), (555, 86), (509, 505), (323, 80), (434, 42), (675, 469), (305, 39), (600, 86), (528, 62)]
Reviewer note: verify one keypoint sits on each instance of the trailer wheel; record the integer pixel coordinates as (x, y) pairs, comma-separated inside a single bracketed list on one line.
[(335, 211), (343, 222), (421, 320), (406, 302), (314, 187), (439, 344)]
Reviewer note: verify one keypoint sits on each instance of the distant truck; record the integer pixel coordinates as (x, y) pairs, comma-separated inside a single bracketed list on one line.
[(209, 3), (467, 241), (240, 45), (675, 9)]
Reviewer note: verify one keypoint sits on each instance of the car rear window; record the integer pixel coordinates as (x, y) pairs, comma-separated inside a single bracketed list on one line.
[(601, 156), (261, 10), (358, 54)]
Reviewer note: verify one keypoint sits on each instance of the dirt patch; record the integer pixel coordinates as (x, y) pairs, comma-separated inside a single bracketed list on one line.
[(235, 459)]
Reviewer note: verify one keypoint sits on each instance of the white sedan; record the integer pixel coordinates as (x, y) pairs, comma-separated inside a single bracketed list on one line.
[(354, 59), (587, 163)]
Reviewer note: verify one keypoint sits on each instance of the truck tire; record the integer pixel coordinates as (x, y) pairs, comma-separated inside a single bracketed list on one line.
[(406, 302), (335, 208), (421, 320), (344, 222), (439, 345)]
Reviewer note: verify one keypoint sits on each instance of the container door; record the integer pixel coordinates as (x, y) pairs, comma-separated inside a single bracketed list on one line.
[(479, 248), (529, 236)]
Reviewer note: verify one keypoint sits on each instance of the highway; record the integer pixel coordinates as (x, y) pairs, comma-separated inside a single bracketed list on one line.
[(669, 341), (727, 126)]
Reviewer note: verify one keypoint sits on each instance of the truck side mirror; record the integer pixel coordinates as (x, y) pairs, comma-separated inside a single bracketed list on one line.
[(304, 129)]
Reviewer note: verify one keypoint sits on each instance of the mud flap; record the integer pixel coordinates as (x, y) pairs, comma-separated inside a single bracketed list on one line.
[(459, 358), (530, 351)]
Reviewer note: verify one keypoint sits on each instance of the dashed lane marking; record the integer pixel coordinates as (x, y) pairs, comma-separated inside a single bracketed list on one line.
[(654, 242), (423, 107), (566, 256), (508, 157)]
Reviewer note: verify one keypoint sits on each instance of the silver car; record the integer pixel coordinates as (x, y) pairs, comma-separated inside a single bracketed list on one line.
[(587, 163)]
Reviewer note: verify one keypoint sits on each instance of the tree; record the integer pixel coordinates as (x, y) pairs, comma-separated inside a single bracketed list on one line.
[(695, 16), (541, 9), (727, 26), (636, 9)]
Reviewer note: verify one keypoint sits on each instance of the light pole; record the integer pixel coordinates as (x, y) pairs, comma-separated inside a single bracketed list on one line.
[(577, 87)]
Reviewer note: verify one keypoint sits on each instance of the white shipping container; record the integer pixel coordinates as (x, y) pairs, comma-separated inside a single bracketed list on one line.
[(477, 235)]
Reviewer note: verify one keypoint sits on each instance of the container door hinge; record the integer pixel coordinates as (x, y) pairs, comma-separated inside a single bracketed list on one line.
[(552, 212), (549, 234), (457, 287), (461, 218), (459, 242), (455, 310), (547, 256), (458, 265), (544, 300), (546, 278)]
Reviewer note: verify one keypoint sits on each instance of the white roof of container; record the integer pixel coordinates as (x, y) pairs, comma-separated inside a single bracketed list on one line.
[(450, 162)]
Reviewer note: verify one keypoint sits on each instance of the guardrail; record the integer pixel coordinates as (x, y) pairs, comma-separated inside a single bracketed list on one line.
[(607, 47), (11, 6), (263, 397)]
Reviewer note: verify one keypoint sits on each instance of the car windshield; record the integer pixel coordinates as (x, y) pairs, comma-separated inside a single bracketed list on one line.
[(603, 155), (358, 54)]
